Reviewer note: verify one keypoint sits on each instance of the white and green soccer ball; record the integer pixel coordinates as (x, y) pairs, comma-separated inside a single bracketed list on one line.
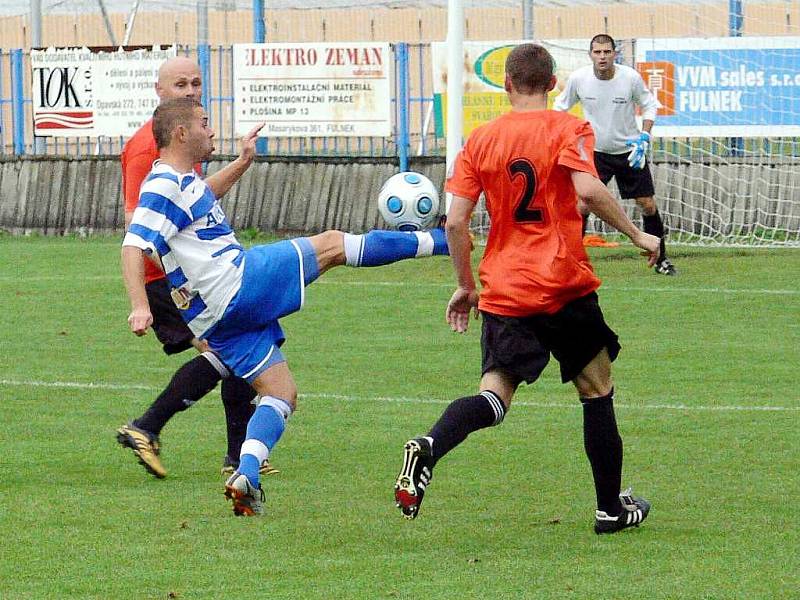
[(409, 201)]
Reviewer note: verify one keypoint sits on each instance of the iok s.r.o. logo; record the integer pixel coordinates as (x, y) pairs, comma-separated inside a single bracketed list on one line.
[(62, 98)]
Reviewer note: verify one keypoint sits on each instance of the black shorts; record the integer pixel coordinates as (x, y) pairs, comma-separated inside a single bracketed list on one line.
[(521, 346), (632, 183), (168, 325)]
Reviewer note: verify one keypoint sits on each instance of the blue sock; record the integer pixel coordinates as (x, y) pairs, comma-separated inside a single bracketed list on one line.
[(439, 242), (263, 431), (248, 466), (380, 247)]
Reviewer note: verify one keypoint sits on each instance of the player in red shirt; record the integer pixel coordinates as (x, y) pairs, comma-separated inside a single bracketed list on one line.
[(538, 288), (180, 77)]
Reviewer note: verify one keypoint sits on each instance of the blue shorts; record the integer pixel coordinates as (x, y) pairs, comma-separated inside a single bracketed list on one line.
[(249, 336)]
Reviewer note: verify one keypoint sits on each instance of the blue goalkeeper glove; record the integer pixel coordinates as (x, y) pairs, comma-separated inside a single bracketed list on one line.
[(638, 154)]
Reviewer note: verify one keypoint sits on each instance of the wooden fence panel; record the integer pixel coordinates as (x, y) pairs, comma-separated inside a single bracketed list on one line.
[(63, 195)]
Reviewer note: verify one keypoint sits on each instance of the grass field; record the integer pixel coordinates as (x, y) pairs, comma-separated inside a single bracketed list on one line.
[(707, 404)]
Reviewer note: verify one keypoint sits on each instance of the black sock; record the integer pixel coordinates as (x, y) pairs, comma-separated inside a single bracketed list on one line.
[(462, 417), (655, 226), (190, 383), (604, 448), (237, 397), (584, 224)]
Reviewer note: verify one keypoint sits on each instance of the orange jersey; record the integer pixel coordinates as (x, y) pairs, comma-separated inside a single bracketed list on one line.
[(534, 260), (138, 156)]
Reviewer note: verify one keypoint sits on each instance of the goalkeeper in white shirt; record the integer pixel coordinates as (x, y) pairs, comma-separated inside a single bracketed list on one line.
[(608, 93)]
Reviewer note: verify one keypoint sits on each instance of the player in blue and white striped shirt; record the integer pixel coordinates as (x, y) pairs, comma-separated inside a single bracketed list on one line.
[(180, 220), (230, 296)]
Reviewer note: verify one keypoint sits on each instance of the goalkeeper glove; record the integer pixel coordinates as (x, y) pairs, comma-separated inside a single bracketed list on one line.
[(638, 154)]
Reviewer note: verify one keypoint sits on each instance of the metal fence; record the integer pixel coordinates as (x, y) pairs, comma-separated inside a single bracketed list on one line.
[(411, 97), (412, 122)]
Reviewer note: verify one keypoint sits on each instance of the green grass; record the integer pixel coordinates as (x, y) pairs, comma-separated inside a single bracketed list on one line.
[(509, 513)]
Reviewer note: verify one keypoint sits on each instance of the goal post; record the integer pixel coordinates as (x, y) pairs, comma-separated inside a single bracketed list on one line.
[(455, 84)]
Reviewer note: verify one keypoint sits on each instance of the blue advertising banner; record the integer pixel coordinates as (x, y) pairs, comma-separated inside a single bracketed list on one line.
[(743, 87)]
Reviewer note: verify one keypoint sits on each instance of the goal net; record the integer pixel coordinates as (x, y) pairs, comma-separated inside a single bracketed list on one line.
[(726, 144), (727, 137)]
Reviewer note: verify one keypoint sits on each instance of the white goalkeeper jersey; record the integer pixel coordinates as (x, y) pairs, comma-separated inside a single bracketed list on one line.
[(608, 104), (180, 219)]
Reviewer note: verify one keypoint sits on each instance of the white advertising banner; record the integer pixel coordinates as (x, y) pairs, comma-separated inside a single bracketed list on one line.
[(94, 92), (313, 90)]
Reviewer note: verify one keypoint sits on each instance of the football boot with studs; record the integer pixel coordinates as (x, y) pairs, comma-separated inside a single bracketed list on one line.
[(414, 477), (248, 500), (634, 512), (145, 446)]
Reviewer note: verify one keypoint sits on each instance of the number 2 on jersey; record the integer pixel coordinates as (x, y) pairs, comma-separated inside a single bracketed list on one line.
[(525, 211)]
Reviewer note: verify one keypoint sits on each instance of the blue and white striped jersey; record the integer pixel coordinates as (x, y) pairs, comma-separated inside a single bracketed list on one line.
[(180, 219)]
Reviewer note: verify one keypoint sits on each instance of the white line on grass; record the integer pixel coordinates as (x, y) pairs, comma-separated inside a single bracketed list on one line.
[(77, 384), (659, 290), (24, 278), (405, 400), (604, 288)]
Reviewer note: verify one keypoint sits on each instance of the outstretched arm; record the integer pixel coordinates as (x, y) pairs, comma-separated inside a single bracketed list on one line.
[(568, 96), (600, 201), (221, 181), (133, 275), (465, 298)]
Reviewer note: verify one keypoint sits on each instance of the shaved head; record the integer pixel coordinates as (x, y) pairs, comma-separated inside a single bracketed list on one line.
[(179, 77)]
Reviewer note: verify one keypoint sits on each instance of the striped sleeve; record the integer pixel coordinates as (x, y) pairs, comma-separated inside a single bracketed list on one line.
[(158, 216)]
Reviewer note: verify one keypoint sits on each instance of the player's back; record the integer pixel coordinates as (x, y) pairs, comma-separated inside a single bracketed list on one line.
[(534, 260)]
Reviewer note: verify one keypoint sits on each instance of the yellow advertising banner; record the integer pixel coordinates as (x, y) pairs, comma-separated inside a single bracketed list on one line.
[(484, 96)]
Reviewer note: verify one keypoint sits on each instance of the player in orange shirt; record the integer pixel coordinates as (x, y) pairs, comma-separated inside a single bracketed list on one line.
[(180, 77), (538, 288)]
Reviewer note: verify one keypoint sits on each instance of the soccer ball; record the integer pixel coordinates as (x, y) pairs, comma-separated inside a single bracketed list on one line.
[(409, 201)]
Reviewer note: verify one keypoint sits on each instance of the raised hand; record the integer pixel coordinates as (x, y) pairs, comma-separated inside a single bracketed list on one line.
[(247, 145)]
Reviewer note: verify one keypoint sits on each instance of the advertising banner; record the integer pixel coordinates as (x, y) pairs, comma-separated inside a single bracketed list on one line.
[(313, 90), (94, 91), (742, 86)]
